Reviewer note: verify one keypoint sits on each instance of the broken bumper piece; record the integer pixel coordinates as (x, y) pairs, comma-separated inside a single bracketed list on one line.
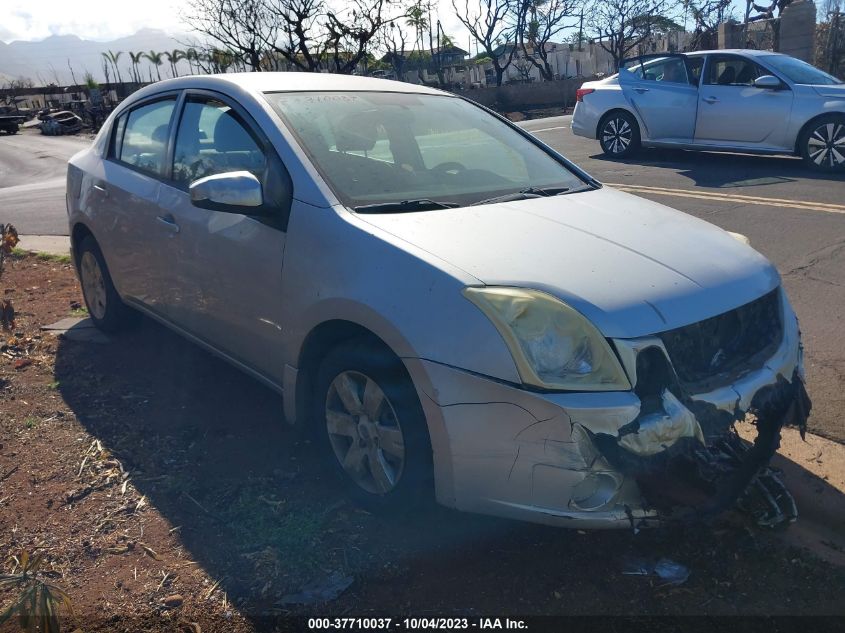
[(666, 451)]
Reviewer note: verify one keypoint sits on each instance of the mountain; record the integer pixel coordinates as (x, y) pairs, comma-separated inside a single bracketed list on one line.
[(46, 60)]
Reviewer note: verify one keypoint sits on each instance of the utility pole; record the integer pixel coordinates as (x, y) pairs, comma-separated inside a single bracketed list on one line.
[(581, 31)]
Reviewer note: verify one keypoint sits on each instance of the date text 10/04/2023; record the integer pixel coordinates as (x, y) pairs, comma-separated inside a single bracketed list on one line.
[(416, 624)]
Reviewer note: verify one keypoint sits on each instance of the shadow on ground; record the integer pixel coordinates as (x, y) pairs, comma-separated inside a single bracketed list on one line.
[(208, 448), (724, 170)]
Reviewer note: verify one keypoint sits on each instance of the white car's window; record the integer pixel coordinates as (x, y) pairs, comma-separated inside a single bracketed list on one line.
[(376, 147), (144, 142), (212, 139), (730, 70), (799, 72), (666, 69)]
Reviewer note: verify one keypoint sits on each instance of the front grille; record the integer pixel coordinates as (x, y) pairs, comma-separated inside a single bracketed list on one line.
[(720, 349)]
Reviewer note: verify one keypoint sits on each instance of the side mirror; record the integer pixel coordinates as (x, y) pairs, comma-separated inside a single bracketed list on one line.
[(768, 82), (231, 192)]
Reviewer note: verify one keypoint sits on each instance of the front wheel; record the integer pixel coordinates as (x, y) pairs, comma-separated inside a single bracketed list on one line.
[(822, 144), (619, 135), (373, 430)]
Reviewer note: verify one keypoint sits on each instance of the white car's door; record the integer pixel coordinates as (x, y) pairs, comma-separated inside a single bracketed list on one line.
[(664, 94), (733, 112), (229, 264), (136, 239)]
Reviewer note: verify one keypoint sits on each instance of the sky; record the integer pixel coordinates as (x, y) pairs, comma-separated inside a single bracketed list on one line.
[(105, 20)]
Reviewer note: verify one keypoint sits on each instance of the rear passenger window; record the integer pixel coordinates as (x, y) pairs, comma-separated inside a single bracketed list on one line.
[(212, 139), (144, 143)]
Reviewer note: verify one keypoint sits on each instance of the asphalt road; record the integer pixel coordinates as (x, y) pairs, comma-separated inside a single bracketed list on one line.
[(32, 180), (794, 216)]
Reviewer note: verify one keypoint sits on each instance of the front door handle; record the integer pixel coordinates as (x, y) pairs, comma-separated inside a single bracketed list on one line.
[(710, 100), (642, 90), (169, 222)]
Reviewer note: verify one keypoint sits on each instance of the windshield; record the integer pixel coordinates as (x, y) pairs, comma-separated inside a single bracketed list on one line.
[(799, 72), (384, 147)]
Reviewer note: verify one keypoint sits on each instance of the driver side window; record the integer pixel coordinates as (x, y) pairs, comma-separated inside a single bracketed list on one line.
[(729, 70), (212, 139)]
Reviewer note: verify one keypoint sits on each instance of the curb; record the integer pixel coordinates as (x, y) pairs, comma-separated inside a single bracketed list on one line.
[(50, 244)]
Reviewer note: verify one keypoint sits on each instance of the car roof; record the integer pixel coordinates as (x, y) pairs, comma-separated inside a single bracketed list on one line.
[(750, 52), (292, 82)]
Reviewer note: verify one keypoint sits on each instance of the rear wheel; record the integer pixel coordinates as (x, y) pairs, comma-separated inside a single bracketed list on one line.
[(822, 143), (371, 426), (619, 134), (105, 307)]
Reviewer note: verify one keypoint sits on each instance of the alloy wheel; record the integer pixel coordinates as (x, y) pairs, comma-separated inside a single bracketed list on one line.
[(826, 145), (616, 135), (364, 432), (93, 285)]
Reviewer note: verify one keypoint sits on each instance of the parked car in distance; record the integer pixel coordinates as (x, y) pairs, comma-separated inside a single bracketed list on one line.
[(449, 306), (725, 100)]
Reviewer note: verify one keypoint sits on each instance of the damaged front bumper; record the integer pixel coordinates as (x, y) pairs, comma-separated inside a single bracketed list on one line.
[(667, 450)]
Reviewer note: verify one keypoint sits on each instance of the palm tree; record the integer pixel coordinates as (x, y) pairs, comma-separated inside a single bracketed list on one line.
[(155, 59), (113, 58), (192, 56), (417, 19), (173, 58), (136, 60)]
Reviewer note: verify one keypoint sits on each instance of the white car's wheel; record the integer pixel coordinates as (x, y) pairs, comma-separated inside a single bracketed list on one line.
[(822, 143), (105, 307), (619, 134), (373, 431)]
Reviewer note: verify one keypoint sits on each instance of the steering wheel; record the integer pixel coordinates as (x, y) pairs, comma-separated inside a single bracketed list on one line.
[(450, 166)]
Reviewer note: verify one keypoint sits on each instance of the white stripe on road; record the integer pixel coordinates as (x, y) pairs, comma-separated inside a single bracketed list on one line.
[(547, 129)]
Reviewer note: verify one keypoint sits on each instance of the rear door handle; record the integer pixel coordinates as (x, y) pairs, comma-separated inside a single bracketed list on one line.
[(169, 222), (102, 189), (642, 90), (710, 100)]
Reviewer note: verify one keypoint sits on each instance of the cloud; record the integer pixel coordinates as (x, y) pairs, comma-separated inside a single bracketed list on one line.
[(88, 19)]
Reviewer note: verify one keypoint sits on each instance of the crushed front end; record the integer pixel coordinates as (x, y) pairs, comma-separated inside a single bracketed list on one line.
[(666, 451), (695, 384)]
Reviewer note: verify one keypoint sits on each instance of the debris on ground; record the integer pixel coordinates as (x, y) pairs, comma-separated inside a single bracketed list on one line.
[(60, 123), (669, 571)]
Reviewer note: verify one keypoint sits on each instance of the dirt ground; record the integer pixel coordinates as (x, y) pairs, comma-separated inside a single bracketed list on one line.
[(166, 492)]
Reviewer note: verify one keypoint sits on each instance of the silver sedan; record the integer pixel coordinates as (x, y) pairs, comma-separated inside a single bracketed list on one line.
[(726, 100), (447, 305)]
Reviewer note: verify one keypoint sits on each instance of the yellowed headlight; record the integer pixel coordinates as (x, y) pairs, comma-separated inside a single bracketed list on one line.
[(553, 345)]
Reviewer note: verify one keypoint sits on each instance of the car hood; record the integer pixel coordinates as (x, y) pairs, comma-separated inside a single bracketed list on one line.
[(632, 266), (836, 91)]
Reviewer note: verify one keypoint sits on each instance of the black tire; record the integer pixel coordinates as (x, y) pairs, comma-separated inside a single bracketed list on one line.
[(105, 307), (413, 487), (820, 152), (619, 134)]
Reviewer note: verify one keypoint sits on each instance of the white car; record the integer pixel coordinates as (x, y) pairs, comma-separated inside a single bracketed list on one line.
[(726, 100), (447, 304)]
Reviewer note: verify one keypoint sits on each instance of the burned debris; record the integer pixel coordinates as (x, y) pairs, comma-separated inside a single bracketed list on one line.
[(60, 123)]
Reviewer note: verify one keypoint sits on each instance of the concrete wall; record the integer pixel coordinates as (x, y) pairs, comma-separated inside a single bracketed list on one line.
[(514, 97), (798, 30), (793, 33)]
